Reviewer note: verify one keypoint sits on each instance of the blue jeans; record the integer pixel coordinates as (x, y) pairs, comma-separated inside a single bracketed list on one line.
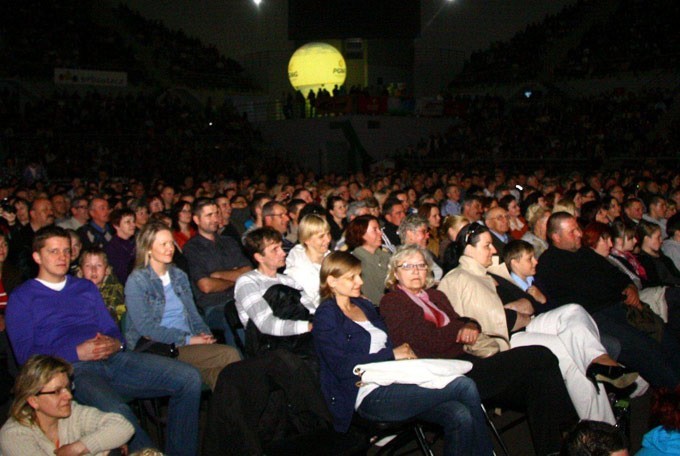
[(215, 319), (107, 384), (657, 362), (456, 407)]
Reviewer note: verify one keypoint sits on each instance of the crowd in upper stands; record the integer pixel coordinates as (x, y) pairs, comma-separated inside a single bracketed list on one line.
[(39, 36), (635, 36)]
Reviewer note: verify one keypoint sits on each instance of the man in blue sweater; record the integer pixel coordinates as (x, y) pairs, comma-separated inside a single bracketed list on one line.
[(57, 314)]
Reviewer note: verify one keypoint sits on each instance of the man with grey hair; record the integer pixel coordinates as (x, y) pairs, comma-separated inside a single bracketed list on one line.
[(472, 208), (355, 209), (414, 230)]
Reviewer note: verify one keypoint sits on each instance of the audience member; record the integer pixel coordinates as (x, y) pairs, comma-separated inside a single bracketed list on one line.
[(65, 316)]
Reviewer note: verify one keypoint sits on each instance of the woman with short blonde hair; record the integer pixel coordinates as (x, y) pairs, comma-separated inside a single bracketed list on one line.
[(304, 260), (45, 420)]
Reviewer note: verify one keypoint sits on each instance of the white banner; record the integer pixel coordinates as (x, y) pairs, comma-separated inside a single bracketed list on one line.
[(90, 77)]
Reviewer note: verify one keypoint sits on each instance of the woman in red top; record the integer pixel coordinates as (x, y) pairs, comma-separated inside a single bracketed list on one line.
[(182, 226)]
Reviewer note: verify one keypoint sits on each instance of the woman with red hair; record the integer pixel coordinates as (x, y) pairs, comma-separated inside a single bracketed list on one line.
[(665, 438)]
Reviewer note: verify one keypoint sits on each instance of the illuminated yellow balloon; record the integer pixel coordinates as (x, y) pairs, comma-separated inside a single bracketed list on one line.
[(314, 65)]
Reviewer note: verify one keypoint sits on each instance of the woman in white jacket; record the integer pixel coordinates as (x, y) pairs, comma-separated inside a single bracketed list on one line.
[(304, 260)]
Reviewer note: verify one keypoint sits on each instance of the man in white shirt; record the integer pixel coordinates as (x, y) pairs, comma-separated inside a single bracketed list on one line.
[(264, 245)]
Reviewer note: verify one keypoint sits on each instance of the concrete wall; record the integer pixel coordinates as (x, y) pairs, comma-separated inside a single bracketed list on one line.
[(320, 147)]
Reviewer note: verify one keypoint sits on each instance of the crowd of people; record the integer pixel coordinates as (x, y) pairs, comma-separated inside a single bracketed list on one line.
[(484, 268), (39, 36), (634, 36), (89, 131)]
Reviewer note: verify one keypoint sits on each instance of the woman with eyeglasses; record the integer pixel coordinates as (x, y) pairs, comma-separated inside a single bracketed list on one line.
[(417, 314), (568, 331), (44, 419), (347, 332)]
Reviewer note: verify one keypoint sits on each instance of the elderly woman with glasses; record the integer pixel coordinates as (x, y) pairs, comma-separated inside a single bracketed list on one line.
[(568, 331), (44, 419), (347, 332), (423, 317)]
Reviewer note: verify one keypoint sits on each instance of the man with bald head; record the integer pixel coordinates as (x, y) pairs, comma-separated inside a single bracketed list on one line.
[(496, 219), (569, 273), (40, 215)]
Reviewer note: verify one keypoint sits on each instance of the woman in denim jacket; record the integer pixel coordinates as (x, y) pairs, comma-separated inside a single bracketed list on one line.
[(160, 306)]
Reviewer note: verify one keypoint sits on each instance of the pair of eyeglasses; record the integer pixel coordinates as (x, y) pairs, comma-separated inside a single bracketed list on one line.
[(413, 266), (56, 392)]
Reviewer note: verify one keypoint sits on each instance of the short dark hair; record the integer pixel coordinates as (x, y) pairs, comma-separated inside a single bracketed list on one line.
[(629, 202), (470, 234), (331, 200), (607, 201), (257, 201), (200, 203), (506, 200), (673, 224), (469, 199), (514, 250), (646, 229), (269, 208), (48, 232), (257, 240), (555, 223), (389, 204), (354, 233), (293, 204), (118, 214), (593, 438)]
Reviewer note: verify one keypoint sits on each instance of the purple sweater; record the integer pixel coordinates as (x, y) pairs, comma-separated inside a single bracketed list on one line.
[(47, 322)]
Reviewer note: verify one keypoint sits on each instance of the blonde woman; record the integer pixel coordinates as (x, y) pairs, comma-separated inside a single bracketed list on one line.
[(537, 218), (161, 307), (304, 260), (44, 419)]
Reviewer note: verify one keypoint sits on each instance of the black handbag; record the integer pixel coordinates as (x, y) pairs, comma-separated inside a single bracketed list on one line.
[(146, 345)]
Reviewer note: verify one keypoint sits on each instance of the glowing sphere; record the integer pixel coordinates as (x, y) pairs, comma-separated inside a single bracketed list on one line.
[(314, 65)]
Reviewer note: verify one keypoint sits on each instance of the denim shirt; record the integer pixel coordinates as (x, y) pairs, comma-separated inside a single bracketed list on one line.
[(145, 302)]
